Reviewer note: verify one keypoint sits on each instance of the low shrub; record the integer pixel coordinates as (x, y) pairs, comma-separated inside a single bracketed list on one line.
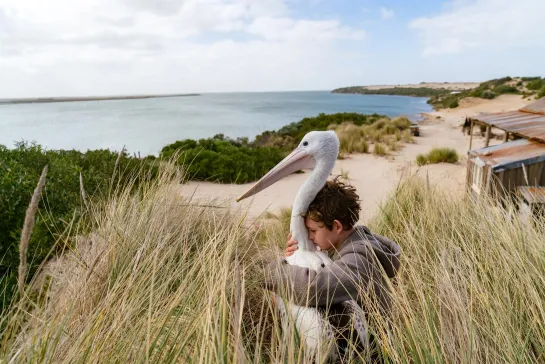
[(20, 170), (421, 159), (392, 144), (407, 137), (535, 84), (352, 139), (505, 89), (438, 155), (529, 78), (379, 149), (222, 159), (541, 92), (487, 94)]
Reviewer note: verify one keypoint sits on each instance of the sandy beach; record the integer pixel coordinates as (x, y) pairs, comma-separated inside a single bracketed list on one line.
[(376, 177)]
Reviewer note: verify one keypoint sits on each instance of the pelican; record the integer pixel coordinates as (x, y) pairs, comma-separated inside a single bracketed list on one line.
[(318, 150)]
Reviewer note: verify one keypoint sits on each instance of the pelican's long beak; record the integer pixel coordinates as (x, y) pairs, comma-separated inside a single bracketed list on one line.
[(296, 160)]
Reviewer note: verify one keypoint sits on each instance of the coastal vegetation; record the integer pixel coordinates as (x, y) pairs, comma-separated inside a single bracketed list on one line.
[(160, 279), (525, 86), (289, 136), (441, 98), (221, 159), (486, 90), (438, 155), (394, 91), (357, 139), (62, 201), (226, 160)]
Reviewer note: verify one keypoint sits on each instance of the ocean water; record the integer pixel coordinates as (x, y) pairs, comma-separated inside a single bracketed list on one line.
[(147, 125)]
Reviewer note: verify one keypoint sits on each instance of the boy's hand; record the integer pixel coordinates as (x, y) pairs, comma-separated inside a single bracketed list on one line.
[(291, 246)]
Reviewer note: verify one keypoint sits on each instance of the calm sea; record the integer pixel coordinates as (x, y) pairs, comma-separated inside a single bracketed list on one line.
[(147, 125)]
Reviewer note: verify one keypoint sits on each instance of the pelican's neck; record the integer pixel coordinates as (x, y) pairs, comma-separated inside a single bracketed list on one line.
[(304, 197)]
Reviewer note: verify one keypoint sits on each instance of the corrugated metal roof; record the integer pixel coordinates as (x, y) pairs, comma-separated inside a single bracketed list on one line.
[(528, 122), (532, 194), (536, 107), (511, 154)]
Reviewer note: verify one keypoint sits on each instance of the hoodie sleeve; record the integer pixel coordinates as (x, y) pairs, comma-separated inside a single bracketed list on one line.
[(390, 255), (338, 282)]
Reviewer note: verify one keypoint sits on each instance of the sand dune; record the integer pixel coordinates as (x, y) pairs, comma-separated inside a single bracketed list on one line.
[(376, 177), (434, 85)]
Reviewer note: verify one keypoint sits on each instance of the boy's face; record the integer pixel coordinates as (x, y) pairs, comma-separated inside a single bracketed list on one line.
[(321, 236)]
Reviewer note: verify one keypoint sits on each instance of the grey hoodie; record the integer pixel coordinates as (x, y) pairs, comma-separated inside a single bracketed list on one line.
[(357, 271)]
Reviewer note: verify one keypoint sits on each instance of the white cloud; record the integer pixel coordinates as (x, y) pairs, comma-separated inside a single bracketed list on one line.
[(386, 13), (62, 47), (302, 30), (482, 25)]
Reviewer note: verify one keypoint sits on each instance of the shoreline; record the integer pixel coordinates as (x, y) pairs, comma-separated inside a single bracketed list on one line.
[(47, 100)]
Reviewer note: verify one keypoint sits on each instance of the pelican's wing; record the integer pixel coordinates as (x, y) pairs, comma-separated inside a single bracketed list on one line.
[(359, 321)]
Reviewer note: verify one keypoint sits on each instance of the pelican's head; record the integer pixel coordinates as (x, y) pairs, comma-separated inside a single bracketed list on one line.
[(316, 148), (323, 146)]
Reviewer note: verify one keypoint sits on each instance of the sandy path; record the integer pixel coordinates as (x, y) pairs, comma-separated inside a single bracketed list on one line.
[(376, 177)]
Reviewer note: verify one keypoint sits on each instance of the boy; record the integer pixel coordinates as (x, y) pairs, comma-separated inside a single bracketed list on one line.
[(361, 259)]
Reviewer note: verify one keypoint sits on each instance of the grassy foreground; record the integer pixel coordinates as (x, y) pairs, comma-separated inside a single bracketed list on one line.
[(164, 279)]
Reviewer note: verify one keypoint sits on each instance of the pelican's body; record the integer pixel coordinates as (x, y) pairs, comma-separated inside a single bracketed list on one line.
[(317, 151)]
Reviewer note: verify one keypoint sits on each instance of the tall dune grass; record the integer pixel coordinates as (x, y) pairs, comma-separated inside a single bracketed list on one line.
[(356, 138), (164, 279), (472, 288)]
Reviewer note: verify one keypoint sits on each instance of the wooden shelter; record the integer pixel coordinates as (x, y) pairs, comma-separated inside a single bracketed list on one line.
[(527, 123), (500, 170)]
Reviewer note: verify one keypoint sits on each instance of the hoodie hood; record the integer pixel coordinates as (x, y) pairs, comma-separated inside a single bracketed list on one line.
[(387, 251)]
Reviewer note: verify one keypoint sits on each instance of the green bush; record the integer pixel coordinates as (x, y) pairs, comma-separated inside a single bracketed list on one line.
[(438, 155), (20, 170), (535, 84), (453, 104), (530, 78), (223, 160), (487, 94), (541, 92), (505, 89)]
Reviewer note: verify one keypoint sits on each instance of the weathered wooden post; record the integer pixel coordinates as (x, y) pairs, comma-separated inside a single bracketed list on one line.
[(487, 139), (471, 134)]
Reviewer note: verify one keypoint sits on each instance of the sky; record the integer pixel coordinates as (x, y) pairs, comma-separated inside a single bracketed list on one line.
[(118, 47)]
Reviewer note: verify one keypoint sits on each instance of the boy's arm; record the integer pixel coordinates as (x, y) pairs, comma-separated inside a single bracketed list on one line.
[(338, 282)]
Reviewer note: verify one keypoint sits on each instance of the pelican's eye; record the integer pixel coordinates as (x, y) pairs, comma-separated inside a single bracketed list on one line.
[(305, 143)]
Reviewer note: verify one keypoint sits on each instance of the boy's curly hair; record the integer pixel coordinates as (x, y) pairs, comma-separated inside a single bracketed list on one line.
[(335, 201)]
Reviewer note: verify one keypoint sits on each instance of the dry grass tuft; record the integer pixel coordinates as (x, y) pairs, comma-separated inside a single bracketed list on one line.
[(438, 155), (28, 226), (379, 149), (352, 138), (162, 279), (356, 139)]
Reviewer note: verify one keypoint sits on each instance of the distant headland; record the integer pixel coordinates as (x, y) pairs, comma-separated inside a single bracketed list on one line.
[(86, 98)]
